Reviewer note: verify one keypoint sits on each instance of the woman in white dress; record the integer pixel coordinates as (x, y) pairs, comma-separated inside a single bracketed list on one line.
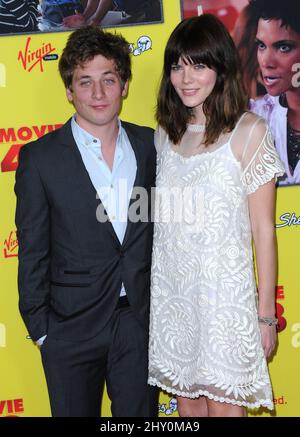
[(209, 334)]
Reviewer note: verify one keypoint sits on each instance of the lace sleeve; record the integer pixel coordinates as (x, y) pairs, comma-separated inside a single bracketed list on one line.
[(160, 139), (260, 160)]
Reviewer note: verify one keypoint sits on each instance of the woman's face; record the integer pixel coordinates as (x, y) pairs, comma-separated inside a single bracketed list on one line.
[(278, 49), (193, 84)]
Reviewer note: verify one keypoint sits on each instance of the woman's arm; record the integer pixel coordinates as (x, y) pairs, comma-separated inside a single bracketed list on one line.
[(103, 7), (90, 8), (93, 13), (262, 210)]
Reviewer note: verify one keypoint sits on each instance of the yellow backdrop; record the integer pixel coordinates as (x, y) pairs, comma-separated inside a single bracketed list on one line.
[(32, 103)]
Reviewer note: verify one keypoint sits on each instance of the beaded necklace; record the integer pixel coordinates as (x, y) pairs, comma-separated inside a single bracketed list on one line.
[(293, 139), (293, 146)]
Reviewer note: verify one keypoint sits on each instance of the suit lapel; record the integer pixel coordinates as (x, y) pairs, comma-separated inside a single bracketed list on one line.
[(78, 175), (136, 146)]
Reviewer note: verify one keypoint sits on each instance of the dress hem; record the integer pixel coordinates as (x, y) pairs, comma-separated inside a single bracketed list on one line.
[(262, 403)]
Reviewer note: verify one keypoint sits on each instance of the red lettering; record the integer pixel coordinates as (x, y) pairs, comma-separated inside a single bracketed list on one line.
[(10, 243), (10, 161), (12, 406), (39, 131), (281, 320), (52, 127), (39, 60), (10, 246), (23, 55), (2, 405), (24, 133), (280, 292), (18, 404), (9, 405), (8, 135), (30, 58)]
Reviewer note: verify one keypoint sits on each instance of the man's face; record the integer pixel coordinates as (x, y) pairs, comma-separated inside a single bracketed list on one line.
[(96, 93)]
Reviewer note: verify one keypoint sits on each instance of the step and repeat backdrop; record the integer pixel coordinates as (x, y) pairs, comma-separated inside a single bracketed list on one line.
[(33, 103)]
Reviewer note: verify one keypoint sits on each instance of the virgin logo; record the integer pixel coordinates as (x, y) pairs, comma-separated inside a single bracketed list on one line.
[(31, 58), (11, 245)]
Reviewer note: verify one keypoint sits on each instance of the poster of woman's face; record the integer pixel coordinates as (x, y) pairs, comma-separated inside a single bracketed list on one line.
[(34, 16), (267, 36)]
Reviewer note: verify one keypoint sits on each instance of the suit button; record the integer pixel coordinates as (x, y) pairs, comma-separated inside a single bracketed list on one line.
[(122, 254)]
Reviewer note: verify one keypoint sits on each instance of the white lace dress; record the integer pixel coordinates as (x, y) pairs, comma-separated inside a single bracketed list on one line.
[(204, 332)]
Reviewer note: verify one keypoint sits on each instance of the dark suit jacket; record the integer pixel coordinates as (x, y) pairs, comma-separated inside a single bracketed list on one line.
[(71, 266)]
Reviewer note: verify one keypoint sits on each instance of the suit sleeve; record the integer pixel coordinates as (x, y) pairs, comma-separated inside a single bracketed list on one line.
[(33, 231)]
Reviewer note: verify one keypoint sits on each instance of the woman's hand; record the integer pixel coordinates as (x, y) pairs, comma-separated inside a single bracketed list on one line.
[(93, 21), (269, 338), (75, 21)]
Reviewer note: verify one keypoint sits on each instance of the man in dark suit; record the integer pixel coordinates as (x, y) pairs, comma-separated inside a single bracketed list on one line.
[(84, 245)]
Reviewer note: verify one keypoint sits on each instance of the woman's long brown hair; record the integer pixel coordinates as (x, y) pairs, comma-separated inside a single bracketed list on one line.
[(203, 40)]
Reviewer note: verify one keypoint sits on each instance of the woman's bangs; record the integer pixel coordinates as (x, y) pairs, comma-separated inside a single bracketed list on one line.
[(196, 52), (196, 59)]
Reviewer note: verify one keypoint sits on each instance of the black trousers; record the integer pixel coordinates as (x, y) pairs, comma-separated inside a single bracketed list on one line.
[(76, 372)]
